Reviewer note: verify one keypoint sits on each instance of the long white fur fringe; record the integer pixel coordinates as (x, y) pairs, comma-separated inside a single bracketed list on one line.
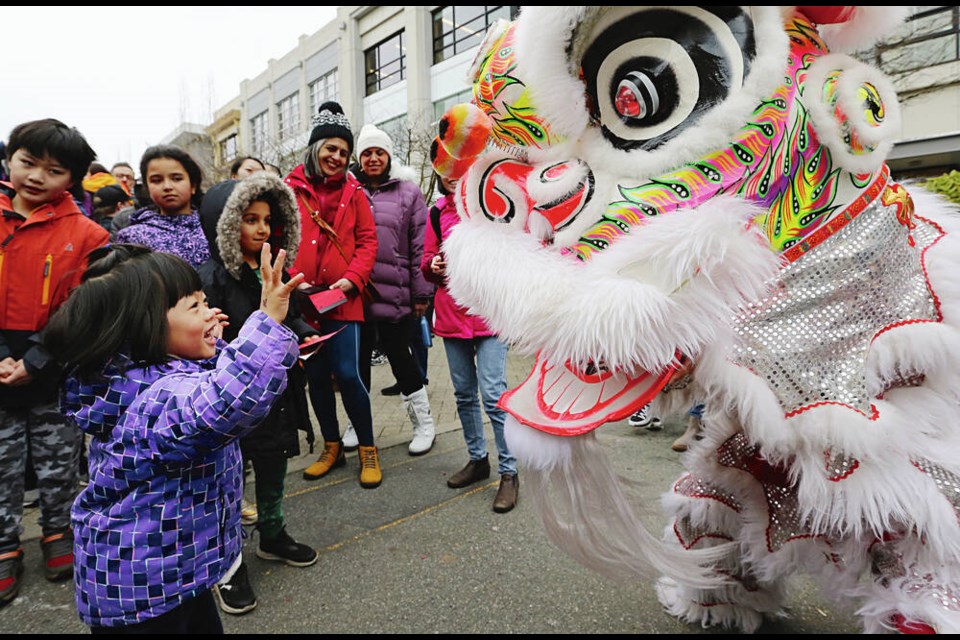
[(586, 513)]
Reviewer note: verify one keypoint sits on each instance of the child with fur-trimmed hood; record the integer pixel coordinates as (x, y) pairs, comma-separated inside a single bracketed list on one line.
[(237, 217)]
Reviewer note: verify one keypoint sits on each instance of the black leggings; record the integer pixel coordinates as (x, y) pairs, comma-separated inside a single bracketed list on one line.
[(394, 341), (199, 615)]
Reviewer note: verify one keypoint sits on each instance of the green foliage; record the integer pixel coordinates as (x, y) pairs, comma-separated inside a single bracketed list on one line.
[(947, 185)]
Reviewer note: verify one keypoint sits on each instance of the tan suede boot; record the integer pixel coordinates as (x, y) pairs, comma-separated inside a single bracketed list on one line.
[(370, 474), (682, 443), (331, 457)]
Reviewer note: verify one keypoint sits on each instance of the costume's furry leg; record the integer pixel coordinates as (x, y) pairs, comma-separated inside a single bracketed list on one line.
[(732, 498), (911, 592), (706, 516)]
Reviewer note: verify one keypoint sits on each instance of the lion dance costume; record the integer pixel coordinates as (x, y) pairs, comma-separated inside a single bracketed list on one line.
[(692, 202)]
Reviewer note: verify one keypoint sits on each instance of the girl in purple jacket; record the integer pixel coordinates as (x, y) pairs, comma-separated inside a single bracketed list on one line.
[(165, 402), (170, 223)]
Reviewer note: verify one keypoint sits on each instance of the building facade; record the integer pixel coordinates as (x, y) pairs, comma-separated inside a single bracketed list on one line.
[(399, 67)]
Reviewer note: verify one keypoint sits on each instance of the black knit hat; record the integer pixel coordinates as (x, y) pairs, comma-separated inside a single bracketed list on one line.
[(331, 123)]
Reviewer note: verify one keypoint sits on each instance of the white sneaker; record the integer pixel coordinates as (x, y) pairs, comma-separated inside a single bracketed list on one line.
[(350, 441), (248, 512)]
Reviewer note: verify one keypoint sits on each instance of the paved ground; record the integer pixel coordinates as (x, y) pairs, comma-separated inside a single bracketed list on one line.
[(414, 556)]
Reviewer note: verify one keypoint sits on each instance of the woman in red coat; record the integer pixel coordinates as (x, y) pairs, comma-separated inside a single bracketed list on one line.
[(337, 250)]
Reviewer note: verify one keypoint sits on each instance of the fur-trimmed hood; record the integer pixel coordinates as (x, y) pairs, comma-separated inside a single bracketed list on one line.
[(222, 211), (396, 172)]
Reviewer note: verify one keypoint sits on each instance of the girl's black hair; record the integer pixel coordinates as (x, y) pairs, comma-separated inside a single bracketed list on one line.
[(440, 186), (51, 137), (173, 152), (120, 308), (239, 161)]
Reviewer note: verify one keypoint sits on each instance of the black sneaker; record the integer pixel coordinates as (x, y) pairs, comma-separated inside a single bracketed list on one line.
[(236, 596), (392, 390), (643, 420), (283, 548), (57, 551), (11, 575)]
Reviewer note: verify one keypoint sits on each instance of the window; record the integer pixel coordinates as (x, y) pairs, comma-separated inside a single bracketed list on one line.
[(258, 134), (386, 63), (440, 106), (228, 149), (399, 133), (288, 117), (322, 89), (930, 37), (458, 29)]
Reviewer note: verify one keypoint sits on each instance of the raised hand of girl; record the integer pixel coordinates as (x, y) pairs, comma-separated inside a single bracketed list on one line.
[(223, 320), (275, 296)]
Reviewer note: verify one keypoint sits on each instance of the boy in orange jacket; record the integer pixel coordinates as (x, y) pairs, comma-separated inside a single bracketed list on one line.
[(44, 243)]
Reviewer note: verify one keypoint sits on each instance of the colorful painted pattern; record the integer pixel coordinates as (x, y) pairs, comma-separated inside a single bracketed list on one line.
[(776, 161), (505, 98)]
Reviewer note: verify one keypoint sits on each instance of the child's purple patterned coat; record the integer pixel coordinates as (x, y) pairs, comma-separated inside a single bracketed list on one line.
[(159, 522)]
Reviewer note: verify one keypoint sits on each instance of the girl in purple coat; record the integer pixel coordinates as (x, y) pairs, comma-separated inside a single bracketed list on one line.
[(170, 223), (165, 402)]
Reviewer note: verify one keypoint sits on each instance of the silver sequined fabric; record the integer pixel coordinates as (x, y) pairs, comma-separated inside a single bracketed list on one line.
[(946, 595), (840, 466), (809, 339), (783, 506), (693, 486), (948, 483)]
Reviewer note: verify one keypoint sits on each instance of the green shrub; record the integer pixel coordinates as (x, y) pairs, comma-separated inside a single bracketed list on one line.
[(948, 185)]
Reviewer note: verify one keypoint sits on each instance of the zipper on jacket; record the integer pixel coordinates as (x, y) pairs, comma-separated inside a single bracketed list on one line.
[(47, 268), (3, 250)]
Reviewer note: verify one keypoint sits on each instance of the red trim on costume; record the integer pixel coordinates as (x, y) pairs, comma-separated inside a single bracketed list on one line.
[(676, 489), (688, 546), (828, 14), (913, 627), (874, 413), (840, 220), (856, 465)]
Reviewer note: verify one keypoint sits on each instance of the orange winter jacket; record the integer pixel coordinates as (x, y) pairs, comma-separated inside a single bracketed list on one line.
[(41, 261)]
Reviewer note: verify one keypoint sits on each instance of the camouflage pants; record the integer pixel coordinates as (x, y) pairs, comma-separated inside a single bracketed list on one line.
[(55, 448)]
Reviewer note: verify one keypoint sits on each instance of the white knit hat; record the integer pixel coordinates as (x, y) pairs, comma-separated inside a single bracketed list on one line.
[(371, 136)]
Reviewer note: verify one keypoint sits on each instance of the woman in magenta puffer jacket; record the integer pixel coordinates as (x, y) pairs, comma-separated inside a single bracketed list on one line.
[(477, 360)]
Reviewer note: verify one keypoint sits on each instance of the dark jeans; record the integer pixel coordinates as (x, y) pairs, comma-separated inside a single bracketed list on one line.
[(199, 615), (394, 340), (338, 358)]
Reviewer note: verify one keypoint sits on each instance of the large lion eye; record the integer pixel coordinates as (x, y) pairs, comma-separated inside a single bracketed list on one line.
[(652, 72), (637, 96)]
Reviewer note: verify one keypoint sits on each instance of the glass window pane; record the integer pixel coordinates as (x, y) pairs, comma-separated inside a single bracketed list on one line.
[(465, 13), (920, 54)]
